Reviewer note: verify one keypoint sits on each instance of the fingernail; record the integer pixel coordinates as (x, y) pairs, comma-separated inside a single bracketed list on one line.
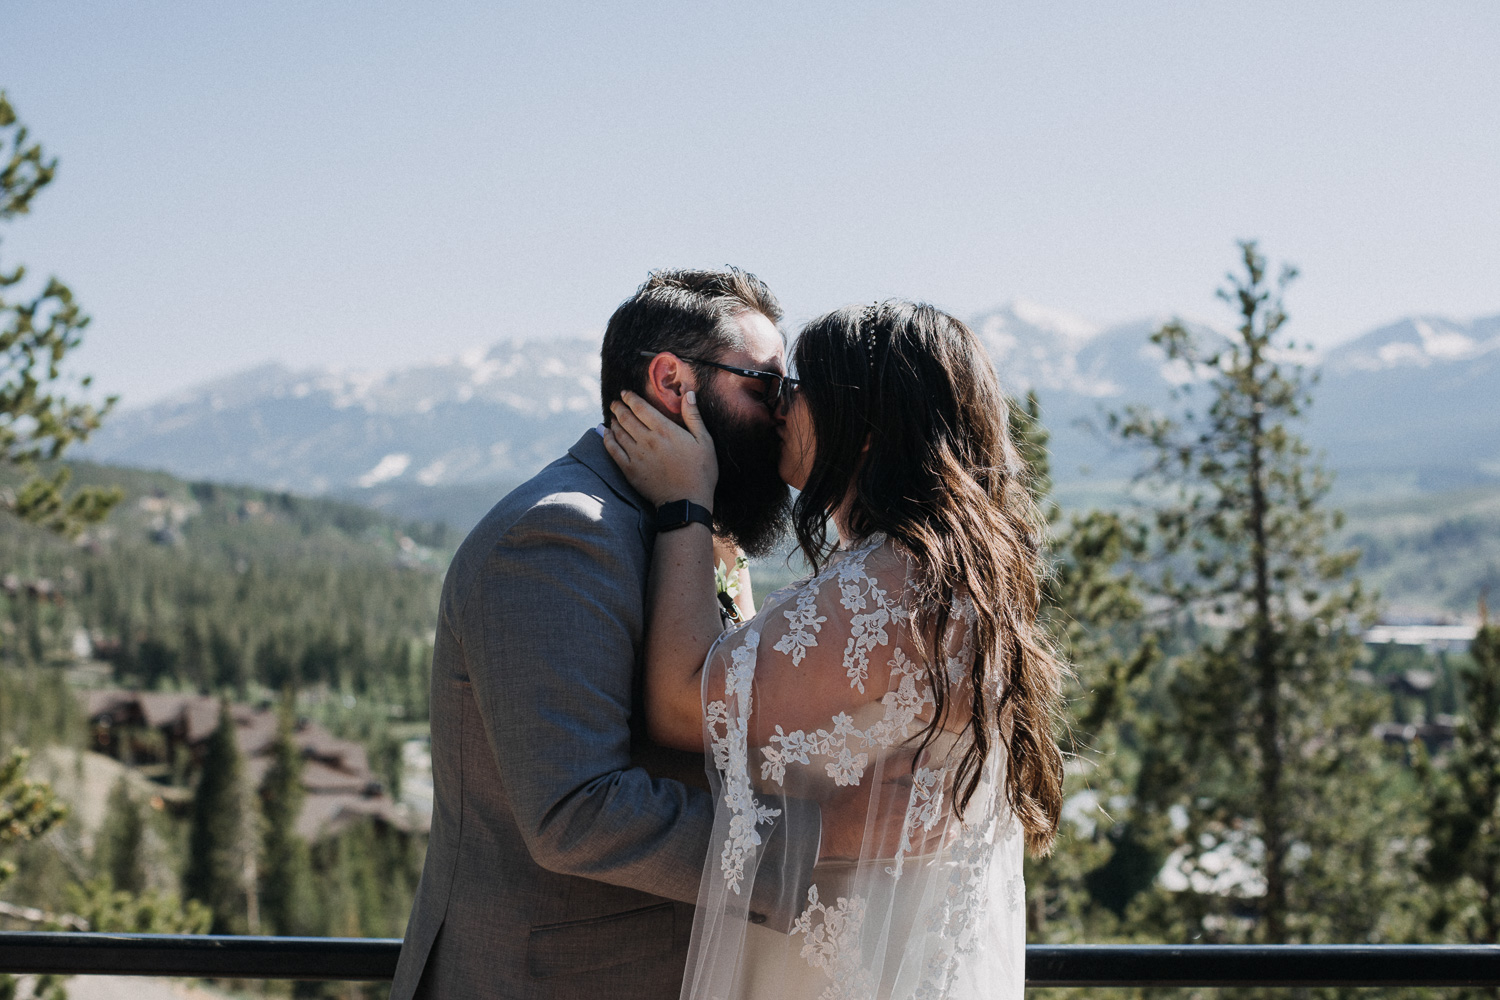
[(692, 397)]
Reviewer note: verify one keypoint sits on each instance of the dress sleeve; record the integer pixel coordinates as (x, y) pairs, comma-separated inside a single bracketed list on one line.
[(824, 697)]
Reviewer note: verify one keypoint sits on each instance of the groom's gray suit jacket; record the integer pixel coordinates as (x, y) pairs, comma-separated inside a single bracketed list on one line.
[(565, 847)]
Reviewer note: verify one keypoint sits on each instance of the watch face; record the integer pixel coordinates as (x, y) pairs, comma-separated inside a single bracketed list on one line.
[(671, 515), (680, 514)]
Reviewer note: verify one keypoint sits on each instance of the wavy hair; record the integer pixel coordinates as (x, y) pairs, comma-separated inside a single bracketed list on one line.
[(942, 477)]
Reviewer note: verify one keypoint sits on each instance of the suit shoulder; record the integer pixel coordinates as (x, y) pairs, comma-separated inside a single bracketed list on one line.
[(567, 492), (566, 504)]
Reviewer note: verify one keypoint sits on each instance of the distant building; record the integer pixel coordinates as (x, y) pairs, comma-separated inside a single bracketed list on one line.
[(1432, 637), (158, 730), (1437, 733)]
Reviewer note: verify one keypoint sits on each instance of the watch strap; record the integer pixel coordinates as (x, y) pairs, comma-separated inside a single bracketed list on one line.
[(680, 513)]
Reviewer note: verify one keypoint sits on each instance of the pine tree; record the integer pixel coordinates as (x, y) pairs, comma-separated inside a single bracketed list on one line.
[(285, 869), (216, 863), (36, 332), (1258, 769), (1464, 817), (28, 809), (121, 841), (106, 909), (1093, 607)]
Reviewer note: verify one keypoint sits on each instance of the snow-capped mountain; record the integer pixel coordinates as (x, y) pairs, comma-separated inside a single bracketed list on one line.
[(488, 417), (1417, 342), (1418, 399), (1414, 401), (1046, 349)]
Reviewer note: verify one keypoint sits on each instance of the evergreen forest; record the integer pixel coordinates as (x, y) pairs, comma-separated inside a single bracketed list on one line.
[(307, 608)]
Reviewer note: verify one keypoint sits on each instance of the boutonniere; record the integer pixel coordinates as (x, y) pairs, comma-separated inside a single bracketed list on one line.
[(727, 583)]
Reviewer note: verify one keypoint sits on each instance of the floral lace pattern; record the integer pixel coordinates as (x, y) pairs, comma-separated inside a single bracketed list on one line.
[(805, 624), (861, 593), (797, 747), (867, 628), (923, 810), (967, 892), (746, 812), (958, 666), (829, 944), (921, 908)]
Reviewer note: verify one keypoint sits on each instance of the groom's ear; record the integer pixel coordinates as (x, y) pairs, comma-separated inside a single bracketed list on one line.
[(668, 379)]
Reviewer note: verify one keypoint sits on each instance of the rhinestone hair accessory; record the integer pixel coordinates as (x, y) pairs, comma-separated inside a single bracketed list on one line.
[(867, 321)]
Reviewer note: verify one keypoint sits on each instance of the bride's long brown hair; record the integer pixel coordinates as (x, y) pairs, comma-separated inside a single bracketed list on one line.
[(941, 477)]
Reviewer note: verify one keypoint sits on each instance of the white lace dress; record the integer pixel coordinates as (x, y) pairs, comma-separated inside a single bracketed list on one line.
[(819, 698)]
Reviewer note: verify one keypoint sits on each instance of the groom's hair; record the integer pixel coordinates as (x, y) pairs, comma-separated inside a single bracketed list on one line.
[(689, 313)]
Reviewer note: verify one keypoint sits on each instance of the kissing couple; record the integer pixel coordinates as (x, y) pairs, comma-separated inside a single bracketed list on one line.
[(647, 789)]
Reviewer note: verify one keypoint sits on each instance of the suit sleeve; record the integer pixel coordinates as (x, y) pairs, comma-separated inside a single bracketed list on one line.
[(554, 625)]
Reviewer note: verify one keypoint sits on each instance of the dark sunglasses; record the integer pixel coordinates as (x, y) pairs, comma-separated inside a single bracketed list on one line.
[(779, 388)]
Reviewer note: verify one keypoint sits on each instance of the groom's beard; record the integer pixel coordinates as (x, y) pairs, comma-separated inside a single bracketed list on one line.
[(751, 503)]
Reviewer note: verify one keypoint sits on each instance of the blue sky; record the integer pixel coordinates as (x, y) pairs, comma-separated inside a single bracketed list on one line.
[(367, 184)]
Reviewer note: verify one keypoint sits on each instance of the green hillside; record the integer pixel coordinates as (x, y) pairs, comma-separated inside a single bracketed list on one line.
[(208, 587), (203, 586), (1429, 553)]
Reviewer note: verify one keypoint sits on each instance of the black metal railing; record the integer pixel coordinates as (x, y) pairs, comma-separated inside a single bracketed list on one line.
[(199, 956), (206, 956)]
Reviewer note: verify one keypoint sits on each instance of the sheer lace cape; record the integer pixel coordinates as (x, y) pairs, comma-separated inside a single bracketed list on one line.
[(820, 697)]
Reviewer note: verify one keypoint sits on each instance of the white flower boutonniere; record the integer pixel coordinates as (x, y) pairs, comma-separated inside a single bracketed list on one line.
[(727, 584)]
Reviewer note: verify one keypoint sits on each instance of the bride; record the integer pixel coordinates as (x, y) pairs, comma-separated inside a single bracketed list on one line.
[(906, 681)]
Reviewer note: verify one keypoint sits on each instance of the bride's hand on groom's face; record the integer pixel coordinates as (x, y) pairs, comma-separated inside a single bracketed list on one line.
[(661, 459)]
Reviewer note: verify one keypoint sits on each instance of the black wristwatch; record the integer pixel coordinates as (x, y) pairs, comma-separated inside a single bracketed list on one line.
[(681, 513)]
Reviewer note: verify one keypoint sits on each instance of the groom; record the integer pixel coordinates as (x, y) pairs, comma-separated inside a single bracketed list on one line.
[(565, 847)]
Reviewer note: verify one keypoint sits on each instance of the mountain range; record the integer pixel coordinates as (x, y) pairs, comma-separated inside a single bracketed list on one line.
[(1413, 405)]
